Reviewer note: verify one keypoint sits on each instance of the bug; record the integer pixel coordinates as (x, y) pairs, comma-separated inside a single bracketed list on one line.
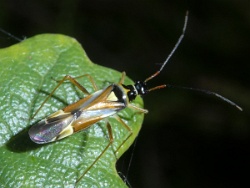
[(99, 105)]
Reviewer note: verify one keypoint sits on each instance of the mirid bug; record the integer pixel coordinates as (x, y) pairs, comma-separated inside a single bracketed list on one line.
[(99, 105)]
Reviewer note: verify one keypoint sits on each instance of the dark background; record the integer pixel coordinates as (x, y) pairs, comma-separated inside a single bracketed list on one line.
[(188, 139)]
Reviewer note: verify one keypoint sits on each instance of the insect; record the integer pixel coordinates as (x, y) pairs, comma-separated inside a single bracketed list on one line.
[(99, 105)]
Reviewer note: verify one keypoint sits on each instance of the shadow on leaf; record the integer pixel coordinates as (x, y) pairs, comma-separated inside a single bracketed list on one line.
[(21, 143)]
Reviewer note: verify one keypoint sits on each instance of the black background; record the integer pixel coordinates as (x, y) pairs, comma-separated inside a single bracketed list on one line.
[(188, 139)]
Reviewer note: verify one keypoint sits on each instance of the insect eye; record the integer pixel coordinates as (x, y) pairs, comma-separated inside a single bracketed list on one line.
[(141, 88)]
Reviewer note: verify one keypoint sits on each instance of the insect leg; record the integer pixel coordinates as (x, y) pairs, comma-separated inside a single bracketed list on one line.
[(128, 129), (74, 82), (111, 139), (140, 110), (122, 78), (90, 79)]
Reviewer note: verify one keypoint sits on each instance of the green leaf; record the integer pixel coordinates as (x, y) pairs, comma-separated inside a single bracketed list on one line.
[(26, 72)]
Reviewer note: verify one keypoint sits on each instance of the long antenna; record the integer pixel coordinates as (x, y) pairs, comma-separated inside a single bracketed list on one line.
[(187, 88), (10, 35), (208, 93), (173, 50)]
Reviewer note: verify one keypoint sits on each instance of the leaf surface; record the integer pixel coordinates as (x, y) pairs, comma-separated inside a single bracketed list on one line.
[(26, 80)]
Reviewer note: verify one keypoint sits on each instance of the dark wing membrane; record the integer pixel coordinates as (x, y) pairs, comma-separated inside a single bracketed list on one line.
[(47, 130)]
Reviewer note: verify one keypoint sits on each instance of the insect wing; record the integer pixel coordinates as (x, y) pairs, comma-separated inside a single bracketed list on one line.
[(48, 130), (110, 97), (99, 105), (80, 115)]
